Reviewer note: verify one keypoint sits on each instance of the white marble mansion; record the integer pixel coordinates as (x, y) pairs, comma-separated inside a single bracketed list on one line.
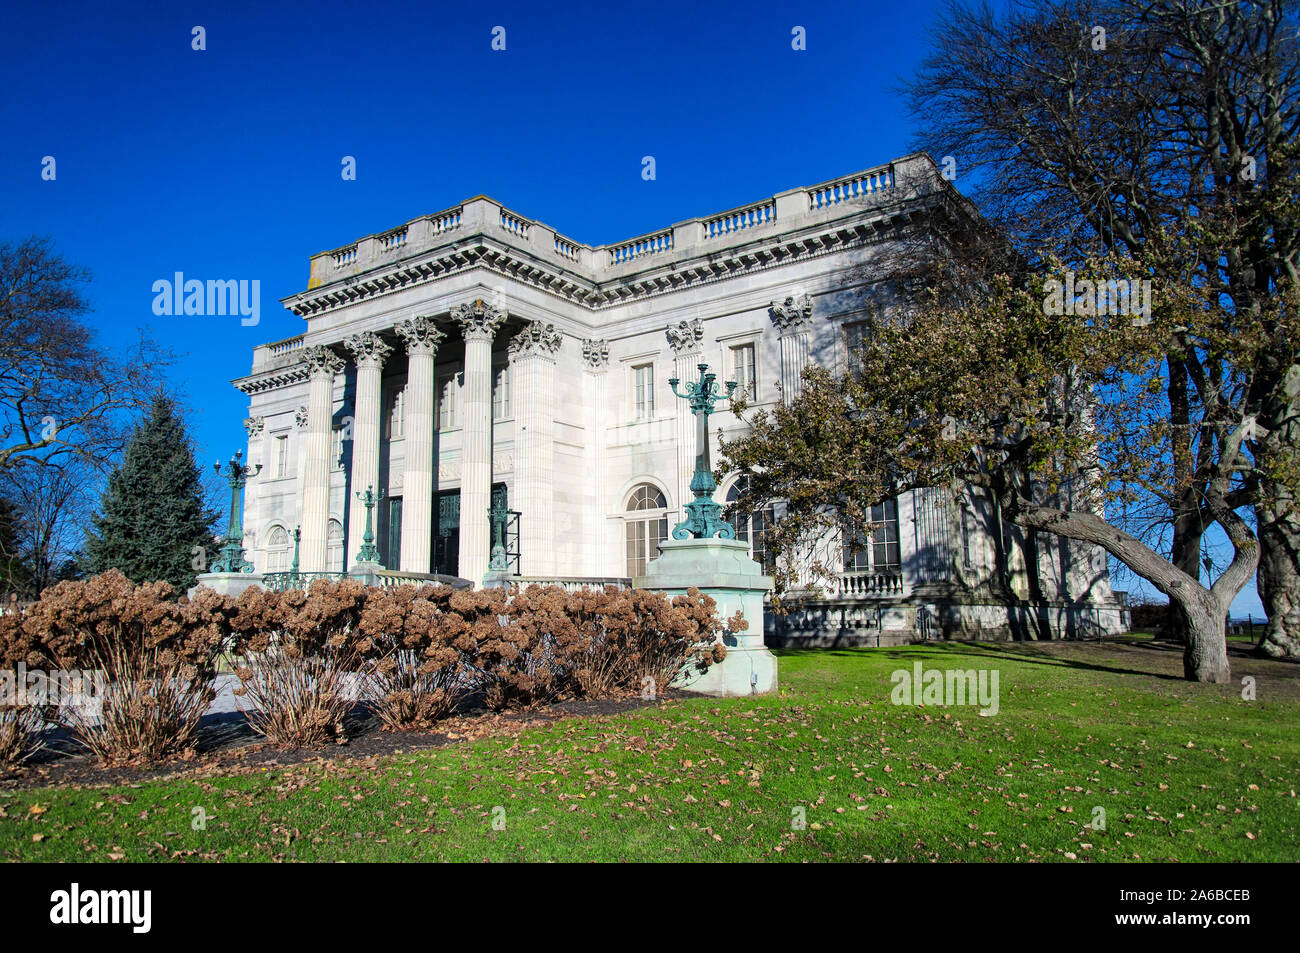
[(476, 359)]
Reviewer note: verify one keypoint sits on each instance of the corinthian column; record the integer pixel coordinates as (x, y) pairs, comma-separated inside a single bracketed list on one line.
[(686, 340), (793, 318), (322, 365), (479, 322), (370, 352), (532, 363), (422, 339)]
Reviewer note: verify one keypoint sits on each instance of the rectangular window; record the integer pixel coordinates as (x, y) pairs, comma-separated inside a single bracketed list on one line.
[(879, 551), (743, 370), (282, 455), (501, 392), (854, 338), (336, 448), (644, 391), (448, 416), (884, 538), (965, 535), (396, 414)]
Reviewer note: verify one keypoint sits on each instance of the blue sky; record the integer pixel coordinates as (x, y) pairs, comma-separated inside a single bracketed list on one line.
[(225, 163)]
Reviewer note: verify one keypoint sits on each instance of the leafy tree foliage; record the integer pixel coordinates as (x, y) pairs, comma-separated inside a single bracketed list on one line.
[(1095, 126), (1023, 400)]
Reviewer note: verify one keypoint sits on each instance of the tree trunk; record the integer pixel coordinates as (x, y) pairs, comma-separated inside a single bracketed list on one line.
[(1278, 577), (1205, 657), (1205, 654), (1186, 555)]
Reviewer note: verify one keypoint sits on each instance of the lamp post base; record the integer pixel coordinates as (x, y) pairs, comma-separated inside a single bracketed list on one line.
[(722, 569)]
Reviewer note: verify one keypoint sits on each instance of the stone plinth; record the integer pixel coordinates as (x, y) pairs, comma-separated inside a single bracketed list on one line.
[(722, 569), (365, 572), (226, 583)]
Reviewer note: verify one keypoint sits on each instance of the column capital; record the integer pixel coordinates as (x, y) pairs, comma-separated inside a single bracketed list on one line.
[(321, 360), (254, 425), (478, 319), (420, 334), (793, 313), (595, 353), (368, 349), (536, 338), (685, 337)]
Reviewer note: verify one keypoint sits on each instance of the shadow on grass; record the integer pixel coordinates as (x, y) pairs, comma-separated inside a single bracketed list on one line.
[(1002, 651)]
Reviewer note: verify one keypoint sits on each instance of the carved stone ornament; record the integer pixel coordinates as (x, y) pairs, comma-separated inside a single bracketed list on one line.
[(420, 335), (536, 338), (792, 313), (686, 336), (478, 319), (300, 418), (595, 353), (368, 348), (322, 360), (253, 425)]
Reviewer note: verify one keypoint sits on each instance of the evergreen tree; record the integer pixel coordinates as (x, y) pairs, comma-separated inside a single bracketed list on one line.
[(152, 514)]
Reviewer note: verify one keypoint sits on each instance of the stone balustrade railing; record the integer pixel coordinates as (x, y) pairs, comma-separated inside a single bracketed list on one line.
[(391, 578), (788, 211), (851, 585), (567, 583), (265, 354)]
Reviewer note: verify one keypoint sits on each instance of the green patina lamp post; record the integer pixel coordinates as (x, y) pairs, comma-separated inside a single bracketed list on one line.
[(368, 553), (232, 554), (703, 515), (500, 561), (297, 538)]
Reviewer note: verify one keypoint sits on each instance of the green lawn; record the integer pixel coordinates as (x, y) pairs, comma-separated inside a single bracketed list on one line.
[(1184, 772)]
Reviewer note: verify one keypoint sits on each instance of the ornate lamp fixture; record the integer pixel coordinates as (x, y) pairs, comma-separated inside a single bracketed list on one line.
[(368, 553), (703, 515), (232, 554)]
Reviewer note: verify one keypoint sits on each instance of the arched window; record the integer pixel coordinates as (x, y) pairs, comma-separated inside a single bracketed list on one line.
[(750, 527), (334, 547), (279, 550), (647, 527)]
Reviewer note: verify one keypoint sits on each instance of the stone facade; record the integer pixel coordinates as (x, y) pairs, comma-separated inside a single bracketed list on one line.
[(476, 357)]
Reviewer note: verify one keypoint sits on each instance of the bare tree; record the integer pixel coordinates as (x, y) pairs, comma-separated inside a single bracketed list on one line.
[(62, 396)]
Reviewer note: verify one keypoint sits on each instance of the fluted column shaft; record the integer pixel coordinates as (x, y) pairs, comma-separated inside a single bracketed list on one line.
[(370, 352), (795, 351), (323, 364), (479, 322), (422, 339), (532, 357)]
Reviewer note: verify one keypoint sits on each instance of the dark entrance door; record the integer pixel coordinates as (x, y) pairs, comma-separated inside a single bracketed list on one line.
[(392, 534), (446, 534)]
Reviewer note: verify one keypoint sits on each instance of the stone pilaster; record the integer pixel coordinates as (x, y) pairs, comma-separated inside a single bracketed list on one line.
[(686, 339), (597, 555), (255, 427), (422, 339), (322, 365), (532, 363), (793, 318), (479, 322), (369, 351)]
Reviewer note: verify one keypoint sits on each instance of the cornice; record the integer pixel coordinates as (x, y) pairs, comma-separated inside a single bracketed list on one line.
[(661, 277)]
